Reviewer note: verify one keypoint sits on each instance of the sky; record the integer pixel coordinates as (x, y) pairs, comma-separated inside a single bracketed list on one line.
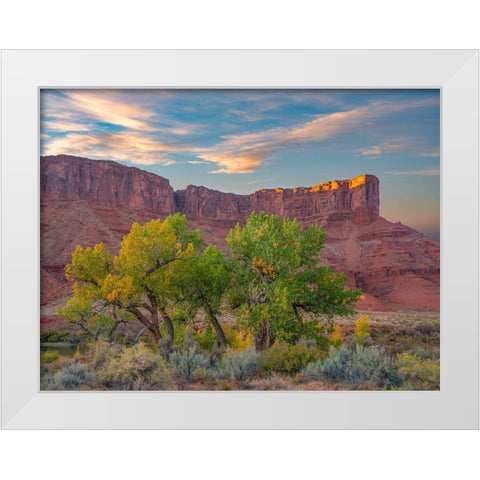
[(244, 140)]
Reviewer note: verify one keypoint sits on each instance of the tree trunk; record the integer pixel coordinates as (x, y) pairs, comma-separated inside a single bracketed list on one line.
[(155, 331), (216, 325), (169, 324), (261, 337)]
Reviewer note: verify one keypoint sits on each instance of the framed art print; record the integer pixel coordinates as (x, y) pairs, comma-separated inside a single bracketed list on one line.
[(274, 239)]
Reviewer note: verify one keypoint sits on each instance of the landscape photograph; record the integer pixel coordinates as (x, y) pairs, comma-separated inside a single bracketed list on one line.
[(239, 239)]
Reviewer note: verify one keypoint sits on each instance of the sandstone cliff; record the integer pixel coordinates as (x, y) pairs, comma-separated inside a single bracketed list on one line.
[(356, 199), (86, 202)]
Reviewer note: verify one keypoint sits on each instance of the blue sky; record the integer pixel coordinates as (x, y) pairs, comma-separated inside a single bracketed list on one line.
[(243, 140)]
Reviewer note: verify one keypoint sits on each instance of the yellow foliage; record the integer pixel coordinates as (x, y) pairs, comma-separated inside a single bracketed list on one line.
[(362, 328), (117, 288), (237, 339), (337, 334)]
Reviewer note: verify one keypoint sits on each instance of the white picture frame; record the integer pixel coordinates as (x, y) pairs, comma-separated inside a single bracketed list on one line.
[(455, 406)]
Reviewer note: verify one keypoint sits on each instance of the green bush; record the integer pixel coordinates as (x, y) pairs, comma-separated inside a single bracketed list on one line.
[(135, 368), (49, 356), (289, 359), (425, 353), (188, 363), (206, 339), (55, 336), (72, 376), (239, 366), (419, 373), (356, 367)]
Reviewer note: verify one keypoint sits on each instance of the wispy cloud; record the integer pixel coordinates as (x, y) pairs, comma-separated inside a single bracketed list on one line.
[(126, 146), (434, 154), (62, 126), (382, 149), (108, 107), (401, 145), (245, 153), (433, 172), (80, 122)]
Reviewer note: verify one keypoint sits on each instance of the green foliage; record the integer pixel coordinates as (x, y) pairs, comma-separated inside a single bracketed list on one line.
[(206, 339), (200, 283), (49, 356), (419, 373), (276, 278), (240, 366), (237, 339), (133, 368), (188, 363), (355, 367), (55, 336), (288, 359), (72, 376)]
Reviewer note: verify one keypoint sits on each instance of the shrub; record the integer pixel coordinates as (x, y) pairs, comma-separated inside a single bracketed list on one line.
[(188, 363), (362, 328), (49, 356), (206, 339), (55, 336), (419, 373), (425, 353), (239, 366), (288, 359), (428, 328), (237, 339), (135, 368), (103, 352), (337, 335), (72, 376), (356, 367)]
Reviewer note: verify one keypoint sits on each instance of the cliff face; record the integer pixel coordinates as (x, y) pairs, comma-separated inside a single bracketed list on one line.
[(356, 199), (109, 184), (85, 202)]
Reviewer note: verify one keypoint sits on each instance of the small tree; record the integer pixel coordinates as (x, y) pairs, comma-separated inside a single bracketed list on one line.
[(138, 280), (277, 279)]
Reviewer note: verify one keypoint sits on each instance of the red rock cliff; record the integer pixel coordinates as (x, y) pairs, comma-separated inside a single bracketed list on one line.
[(356, 199), (64, 177)]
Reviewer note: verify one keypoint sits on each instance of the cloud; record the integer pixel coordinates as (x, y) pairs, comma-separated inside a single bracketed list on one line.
[(61, 126), (107, 107), (77, 115), (433, 172), (245, 153), (196, 162), (402, 145), (128, 146), (382, 149), (435, 154)]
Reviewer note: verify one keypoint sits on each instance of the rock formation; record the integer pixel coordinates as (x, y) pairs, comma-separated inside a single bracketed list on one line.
[(86, 201)]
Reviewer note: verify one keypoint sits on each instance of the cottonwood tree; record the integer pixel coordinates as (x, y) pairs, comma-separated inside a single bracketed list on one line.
[(138, 280), (277, 280)]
